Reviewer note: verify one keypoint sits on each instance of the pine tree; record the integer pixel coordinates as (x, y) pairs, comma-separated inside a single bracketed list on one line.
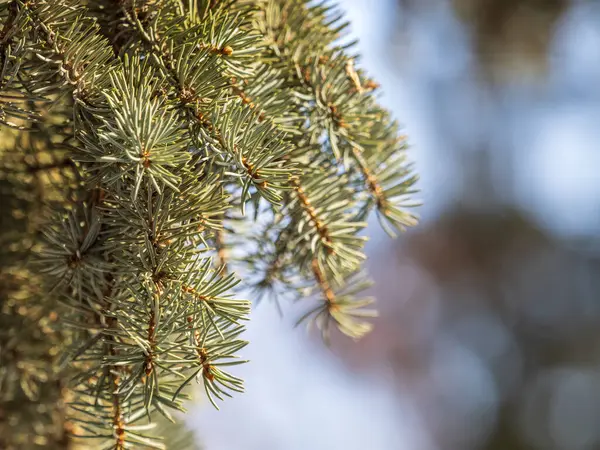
[(153, 154)]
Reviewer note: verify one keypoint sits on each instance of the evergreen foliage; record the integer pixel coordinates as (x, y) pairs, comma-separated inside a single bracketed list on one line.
[(139, 140)]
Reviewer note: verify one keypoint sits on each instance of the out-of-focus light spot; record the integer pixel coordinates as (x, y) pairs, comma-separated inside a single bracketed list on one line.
[(486, 336), (465, 395), (575, 410), (575, 58), (560, 410), (560, 174)]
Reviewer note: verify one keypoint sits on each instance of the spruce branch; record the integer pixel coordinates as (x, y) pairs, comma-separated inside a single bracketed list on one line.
[(340, 100), (205, 53), (144, 132)]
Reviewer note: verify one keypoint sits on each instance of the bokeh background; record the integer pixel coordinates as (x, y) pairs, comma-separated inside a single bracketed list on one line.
[(489, 335)]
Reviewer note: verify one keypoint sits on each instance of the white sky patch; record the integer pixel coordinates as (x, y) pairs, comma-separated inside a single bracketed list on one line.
[(559, 177), (298, 397)]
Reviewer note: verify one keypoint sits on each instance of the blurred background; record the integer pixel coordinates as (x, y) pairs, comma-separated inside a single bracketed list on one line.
[(489, 335)]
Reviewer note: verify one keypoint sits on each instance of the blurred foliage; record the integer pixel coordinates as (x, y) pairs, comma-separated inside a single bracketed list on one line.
[(527, 299), (33, 176), (511, 36), (501, 264), (473, 240)]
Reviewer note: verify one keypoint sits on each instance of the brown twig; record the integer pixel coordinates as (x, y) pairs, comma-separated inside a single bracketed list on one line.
[(326, 289), (310, 210)]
